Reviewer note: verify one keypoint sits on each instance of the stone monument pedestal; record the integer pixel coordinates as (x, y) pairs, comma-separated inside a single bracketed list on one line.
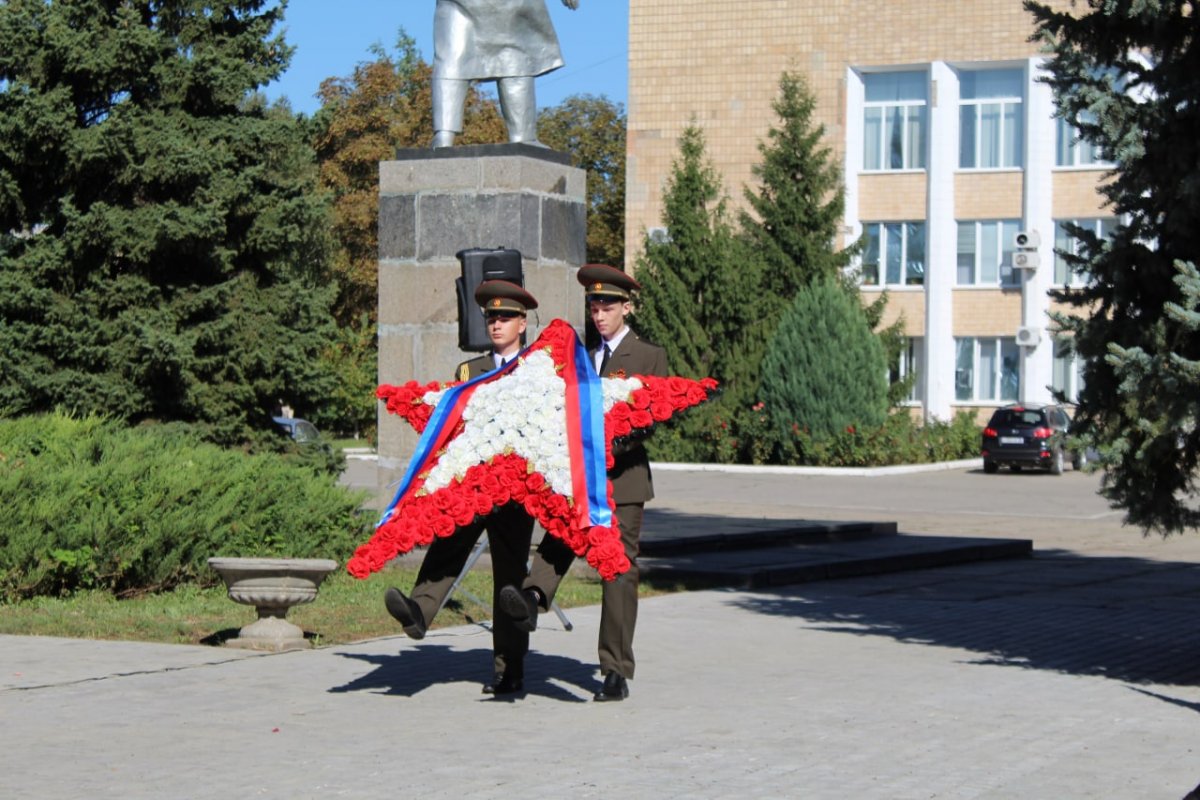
[(434, 203)]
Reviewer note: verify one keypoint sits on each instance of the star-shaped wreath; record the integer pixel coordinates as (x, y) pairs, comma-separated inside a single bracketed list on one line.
[(539, 431)]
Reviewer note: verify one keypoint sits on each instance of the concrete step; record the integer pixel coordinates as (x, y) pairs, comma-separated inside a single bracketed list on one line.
[(804, 560)]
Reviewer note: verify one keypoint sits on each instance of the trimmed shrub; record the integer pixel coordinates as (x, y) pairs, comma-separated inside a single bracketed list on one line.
[(824, 370), (899, 440), (88, 503)]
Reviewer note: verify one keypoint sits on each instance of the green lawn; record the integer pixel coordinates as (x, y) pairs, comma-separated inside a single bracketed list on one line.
[(345, 610)]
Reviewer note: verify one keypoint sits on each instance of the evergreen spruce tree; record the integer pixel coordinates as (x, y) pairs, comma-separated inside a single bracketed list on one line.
[(688, 302), (797, 210), (792, 226), (164, 240), (824, 370), (1125, 74), (694, 292)]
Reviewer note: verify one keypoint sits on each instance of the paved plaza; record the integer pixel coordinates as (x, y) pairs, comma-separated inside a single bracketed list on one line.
[(1071, 674)]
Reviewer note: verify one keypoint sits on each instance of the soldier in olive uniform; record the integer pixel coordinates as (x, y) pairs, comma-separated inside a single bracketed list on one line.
[(509, 528), (621, 354)]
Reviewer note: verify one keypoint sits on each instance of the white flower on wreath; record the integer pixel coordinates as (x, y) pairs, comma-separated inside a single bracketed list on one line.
[(524, 412)]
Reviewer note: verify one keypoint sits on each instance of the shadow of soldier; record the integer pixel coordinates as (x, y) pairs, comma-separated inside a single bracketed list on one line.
[(415, 669)]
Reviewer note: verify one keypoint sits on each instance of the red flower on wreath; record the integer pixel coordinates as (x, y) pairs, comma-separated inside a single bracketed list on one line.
[(510, 443)]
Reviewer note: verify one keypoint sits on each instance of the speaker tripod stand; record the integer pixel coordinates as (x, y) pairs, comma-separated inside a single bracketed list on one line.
[(457, 586)]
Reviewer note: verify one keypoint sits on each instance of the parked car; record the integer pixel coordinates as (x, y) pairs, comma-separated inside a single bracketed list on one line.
[(1022, 435), (301, 430)]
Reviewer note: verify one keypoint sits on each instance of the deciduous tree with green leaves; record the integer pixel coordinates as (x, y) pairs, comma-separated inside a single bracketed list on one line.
[(591, 130), (385, 104), (162, 236), (1124, 73)]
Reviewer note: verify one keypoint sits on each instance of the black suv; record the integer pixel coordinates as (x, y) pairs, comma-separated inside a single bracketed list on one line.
[(1028, 435)]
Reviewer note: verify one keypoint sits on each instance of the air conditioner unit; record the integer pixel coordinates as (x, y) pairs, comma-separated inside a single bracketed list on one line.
[(1026, 260), (1028, 336), (1027, 239)]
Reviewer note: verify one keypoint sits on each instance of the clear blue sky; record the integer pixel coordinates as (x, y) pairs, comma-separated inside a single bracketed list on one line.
[(332, 37)]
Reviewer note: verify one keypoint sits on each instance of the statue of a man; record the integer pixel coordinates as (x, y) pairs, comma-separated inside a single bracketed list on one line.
[(508, 41)]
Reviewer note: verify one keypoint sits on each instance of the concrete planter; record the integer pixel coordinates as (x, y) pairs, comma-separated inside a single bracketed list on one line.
[(272, 586)]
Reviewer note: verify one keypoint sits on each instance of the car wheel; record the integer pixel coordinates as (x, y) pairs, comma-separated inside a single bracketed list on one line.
[(1057, 462), (1079, 461), (990, 467)]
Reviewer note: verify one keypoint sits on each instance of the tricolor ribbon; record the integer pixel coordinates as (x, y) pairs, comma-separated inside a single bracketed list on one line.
[(585, 433), (444, 420), (585, 436)]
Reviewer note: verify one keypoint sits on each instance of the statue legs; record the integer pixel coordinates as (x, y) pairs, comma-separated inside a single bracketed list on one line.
[(518, 106), (449, 95)]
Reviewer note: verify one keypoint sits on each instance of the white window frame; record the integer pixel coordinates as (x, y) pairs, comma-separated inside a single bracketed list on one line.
[(975, 355), (911, 361), (1004, 105), (1001, 233), (1072, 152), (911, 111), (880, 238), (1067, 370), (1063, 275)]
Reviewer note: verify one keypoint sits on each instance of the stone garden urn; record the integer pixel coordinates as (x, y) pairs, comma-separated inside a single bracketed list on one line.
[(272, 586)]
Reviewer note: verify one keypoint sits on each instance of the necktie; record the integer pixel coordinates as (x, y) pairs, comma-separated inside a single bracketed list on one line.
[(604, 361)]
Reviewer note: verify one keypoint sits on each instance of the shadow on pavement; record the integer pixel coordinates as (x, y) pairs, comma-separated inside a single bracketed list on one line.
[(429, 664), (1123, 618)]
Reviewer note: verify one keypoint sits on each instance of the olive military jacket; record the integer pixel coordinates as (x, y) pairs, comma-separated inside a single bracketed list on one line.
[(630, 474)]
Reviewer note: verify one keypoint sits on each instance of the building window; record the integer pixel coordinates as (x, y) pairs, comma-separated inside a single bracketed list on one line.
[(1064, 242), (1072, 151), (895, 120), (911, 361), (991, 123), (895, 254), (986, 370), (1068, 370), (985, 253)]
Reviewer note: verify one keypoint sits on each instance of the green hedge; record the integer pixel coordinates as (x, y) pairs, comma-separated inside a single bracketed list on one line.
[(899, 440), (89, 503)]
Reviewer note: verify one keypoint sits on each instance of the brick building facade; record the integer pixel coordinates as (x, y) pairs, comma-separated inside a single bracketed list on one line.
[(949, 147)]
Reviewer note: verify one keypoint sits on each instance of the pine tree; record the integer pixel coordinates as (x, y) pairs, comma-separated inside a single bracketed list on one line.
[(797, 211), (694, 293), (688, 302), (824, 369), (1125, 74), (164, 240), (792, 226)]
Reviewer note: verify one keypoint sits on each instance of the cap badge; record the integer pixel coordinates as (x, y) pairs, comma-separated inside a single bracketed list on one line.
[(496, 303), (597, 287)]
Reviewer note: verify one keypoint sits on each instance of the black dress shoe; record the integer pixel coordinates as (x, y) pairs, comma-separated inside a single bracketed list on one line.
[(615, 688), (406, 612), (504, 684), (521, 607)]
